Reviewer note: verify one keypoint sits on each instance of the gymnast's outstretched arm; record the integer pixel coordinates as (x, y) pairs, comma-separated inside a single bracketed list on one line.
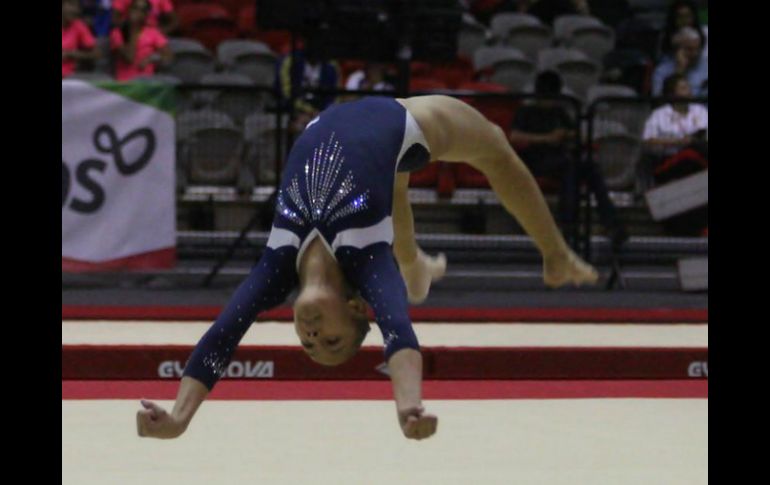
[(418, 269), (269, 283)]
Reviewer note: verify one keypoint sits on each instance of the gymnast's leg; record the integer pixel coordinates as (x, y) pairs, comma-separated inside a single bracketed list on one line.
[(461, 134)]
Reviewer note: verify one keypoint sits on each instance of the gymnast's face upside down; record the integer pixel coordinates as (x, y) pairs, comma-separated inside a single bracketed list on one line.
[(331, 322)]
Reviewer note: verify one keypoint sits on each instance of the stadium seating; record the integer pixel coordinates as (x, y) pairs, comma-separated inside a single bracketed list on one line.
[(207, 22)]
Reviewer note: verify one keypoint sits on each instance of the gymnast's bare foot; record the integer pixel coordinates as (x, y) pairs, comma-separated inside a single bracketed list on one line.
[(420, 273), (566, 267)]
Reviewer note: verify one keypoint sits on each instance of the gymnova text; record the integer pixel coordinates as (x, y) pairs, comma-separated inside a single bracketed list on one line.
[(698, 369), (170, 369)]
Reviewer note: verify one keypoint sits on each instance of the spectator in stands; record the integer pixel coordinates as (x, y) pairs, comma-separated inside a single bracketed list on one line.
[(688, 60), (676, 146), (677, 125), (77, 42), (681, 13), (137, 46), (373, 77), (300, 72), (542, 134), (98, 15), (161, 14)]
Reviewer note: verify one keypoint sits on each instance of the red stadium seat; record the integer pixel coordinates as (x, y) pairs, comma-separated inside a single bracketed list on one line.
[(247, 21), (278, 40), (498, 110), (426, 84), (235, 6), (207, 22), (453, 73), (419, 69), (468, 177), (446, 180), (426, 177)]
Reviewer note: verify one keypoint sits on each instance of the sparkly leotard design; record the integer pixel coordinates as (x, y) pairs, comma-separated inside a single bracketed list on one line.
[(338, 186)]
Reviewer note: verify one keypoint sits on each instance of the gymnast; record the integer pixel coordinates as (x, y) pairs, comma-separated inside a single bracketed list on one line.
[(343, 235)]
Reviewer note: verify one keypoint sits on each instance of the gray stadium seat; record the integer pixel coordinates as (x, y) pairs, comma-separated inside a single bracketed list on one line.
[(237, 102), (576, 69), (486, 57), (191, 60), (632, 113), (579, 75), (229, 50), (595, 40), (530, 40), (181, 44), (548, 58), (159, 78), (522, 31), (609, 90), (502, 23), (514, 72), (92, 76), (617, 155), (188, 122), (259, 130), (471, 38), (214, 156), (563, 25), (250, 58)]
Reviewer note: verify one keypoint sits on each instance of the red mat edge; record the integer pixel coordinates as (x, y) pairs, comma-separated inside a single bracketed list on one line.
[(622, 315), (381, 390)]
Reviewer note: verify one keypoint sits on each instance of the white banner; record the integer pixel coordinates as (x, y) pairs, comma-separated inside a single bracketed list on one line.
[(118, 176)]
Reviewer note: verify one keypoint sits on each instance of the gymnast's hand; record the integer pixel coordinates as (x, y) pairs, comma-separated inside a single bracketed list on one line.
[(415, 424), (566, 267), (154, 422)]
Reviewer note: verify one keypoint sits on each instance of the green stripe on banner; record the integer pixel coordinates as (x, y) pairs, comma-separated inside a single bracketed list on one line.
[(156, 94)]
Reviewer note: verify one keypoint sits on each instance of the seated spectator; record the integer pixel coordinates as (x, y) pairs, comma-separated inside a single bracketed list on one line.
[(374, 77), (161, 14), (681, 14), (98, 15), (137, 46), (542, 134), (77, 42), (687, 60), (677, 125), (297, 75), (676, 143)]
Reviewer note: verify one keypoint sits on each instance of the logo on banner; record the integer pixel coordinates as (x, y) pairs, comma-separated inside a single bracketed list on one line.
[(106, 142), (261, 369), (698, 369)]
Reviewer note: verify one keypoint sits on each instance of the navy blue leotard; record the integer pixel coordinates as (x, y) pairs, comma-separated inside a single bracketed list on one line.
[(337, 185)]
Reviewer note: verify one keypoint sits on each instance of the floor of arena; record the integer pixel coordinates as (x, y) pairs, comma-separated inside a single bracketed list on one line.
[(327, 431)]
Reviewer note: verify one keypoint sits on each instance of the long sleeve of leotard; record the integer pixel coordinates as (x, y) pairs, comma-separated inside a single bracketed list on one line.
[(374, 272), (269, 283)]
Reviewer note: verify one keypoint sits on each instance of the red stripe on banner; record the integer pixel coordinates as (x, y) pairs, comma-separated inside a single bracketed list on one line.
[(421, 314), (138, 362), (379, 390), (160, 259)]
